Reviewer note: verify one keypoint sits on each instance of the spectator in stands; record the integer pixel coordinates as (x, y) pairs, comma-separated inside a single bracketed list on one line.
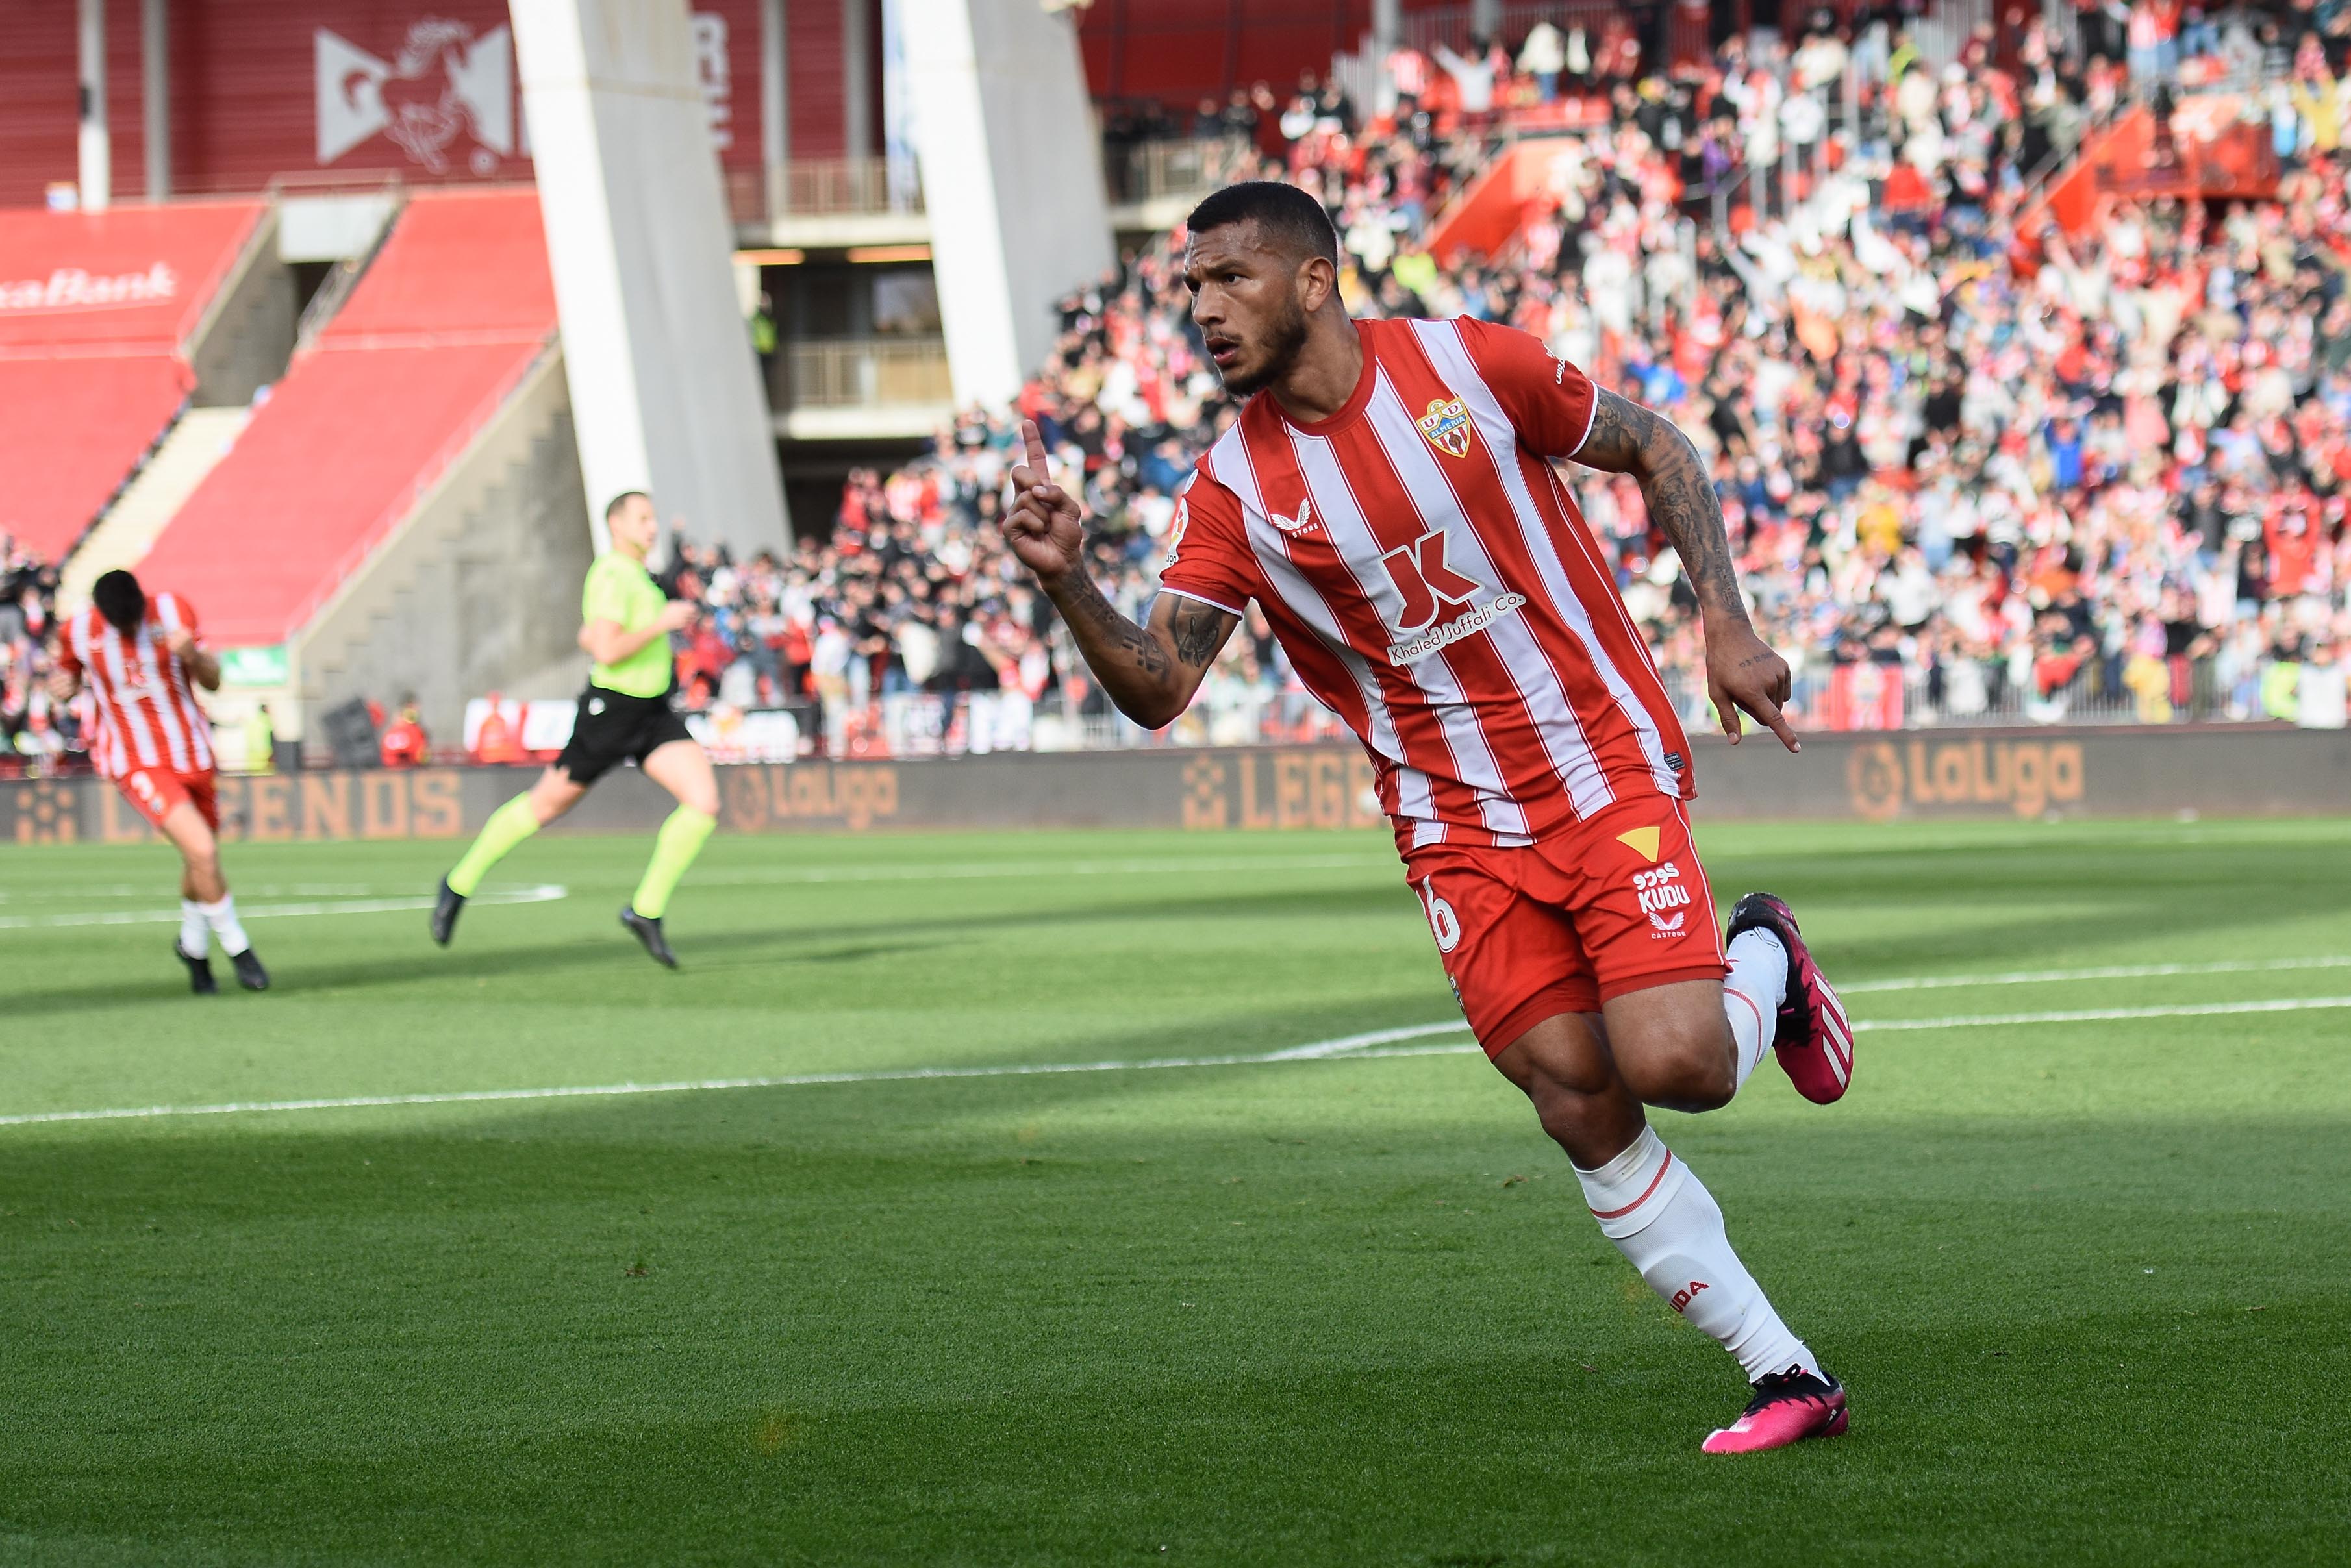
[(497, 742), (404, 743), (37, 733), (259, 734)]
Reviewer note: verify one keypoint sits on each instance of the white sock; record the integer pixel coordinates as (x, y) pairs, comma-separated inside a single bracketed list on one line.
[(1667, 1224), (195, 938), (1751, 996), (222, 918)]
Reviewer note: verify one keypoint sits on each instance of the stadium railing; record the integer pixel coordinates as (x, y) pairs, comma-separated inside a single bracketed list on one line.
[(1183, 167), (867, 372)]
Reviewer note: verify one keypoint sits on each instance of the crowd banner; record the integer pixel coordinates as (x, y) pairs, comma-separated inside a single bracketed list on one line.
[(2218, 770)]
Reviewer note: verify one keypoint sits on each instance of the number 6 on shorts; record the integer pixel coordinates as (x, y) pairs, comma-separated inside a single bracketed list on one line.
[(1443, 923)]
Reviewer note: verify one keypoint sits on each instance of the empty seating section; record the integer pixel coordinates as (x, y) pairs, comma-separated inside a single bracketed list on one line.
[(74, 429), (456, 263), (453, 310), (96, 311)]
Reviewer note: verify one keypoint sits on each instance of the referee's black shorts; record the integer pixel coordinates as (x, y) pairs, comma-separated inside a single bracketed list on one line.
[(611, 728)]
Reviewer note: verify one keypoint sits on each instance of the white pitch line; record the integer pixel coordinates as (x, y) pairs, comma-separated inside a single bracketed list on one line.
[(147, 891), (1330, 1050), (1377, 1044), (544, 892), (2108, 972), (1047, 870), (2101, 1014)]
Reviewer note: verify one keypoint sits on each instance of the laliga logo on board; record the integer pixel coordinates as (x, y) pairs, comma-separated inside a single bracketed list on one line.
[(443, 81)]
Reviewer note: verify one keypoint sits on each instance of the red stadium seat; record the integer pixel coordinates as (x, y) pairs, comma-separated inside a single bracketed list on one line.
[(96, 310), (75, 429), (452, 312)]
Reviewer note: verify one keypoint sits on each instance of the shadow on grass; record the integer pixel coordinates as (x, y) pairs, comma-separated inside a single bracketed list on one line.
[(855, 1341), (2199, 919)]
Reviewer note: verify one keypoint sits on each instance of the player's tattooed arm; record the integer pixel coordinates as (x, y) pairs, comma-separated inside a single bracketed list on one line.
[(1629, 438), (1742, 672), (1197, 631), (1110, 642), (1150, 671)]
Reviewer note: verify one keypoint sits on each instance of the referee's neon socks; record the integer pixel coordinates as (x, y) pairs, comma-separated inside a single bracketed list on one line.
[(680, 840), (508, 826)]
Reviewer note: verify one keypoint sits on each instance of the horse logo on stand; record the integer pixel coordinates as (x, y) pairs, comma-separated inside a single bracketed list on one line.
[(444, 81)]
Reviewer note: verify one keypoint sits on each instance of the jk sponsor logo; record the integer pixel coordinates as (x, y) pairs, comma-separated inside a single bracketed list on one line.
[(1454, 630)]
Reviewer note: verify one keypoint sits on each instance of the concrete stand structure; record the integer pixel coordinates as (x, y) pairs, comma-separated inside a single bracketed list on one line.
[(1012, 177), (664, 390)]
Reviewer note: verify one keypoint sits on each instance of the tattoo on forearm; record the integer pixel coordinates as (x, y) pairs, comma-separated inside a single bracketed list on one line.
[(1199, 632), (1629, 438), (1101, 631)]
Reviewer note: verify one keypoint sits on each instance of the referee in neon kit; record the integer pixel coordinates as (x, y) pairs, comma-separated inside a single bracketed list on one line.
[(624, 716)]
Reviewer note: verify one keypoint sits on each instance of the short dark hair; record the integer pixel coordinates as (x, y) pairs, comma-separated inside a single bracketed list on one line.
[(1284, 215), (612, 507), (121, 599)]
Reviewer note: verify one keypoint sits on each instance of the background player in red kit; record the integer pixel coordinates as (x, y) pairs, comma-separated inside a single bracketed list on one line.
[(138, 656), (1387, 497)]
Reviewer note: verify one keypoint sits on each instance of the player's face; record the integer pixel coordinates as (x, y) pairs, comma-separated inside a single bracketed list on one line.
[(1244, 300), (636, 525)]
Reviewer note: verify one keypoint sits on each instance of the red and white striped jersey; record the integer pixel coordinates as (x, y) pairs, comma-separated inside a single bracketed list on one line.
[(1434, 585), (148, 716)]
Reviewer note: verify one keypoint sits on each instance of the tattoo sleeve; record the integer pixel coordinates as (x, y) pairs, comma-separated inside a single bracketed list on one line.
[(1113, 644), (1626, 437), (1149, 671), (1199, 630)]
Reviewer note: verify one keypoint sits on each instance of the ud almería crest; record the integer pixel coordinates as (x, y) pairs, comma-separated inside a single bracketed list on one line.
[(1447, 426)]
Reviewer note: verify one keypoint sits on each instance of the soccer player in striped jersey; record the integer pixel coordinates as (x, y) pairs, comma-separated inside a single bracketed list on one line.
[(1387, 498), (138, 656)]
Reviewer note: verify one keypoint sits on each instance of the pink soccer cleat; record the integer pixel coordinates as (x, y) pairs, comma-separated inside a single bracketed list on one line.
[(1787, 1408), (1814, 1041)]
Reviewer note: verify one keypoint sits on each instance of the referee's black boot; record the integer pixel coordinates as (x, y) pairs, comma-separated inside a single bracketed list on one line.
[(648, 932), (199, 972), (444, 912)]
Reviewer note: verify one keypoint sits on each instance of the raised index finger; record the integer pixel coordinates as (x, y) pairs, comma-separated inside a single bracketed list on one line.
[(1033, 444)]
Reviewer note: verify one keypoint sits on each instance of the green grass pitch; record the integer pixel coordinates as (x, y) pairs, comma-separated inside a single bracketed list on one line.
[(2089, 1279)]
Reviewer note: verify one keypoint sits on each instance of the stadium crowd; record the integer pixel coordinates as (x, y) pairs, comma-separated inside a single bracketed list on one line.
[(1973, 465), (31, 734)]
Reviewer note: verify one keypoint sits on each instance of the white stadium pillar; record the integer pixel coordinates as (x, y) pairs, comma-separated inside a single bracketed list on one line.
[(1012, 180), (664, 388), (155, 96), (95, 143)]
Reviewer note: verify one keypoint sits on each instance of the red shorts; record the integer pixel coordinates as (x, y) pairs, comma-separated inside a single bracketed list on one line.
[(155, 791), (1612, 905)]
